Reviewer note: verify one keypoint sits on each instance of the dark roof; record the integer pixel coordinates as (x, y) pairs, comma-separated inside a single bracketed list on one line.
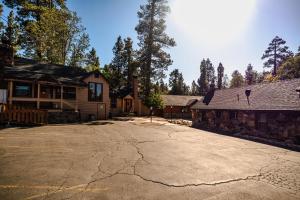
[(179, 100), (122, 92), (279, 95), (27, 69)]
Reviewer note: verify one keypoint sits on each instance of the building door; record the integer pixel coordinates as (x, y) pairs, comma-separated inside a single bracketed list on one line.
[(101, 111), (128, 105)]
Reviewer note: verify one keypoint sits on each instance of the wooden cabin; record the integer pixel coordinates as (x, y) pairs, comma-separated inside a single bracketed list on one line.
[(61, 90)]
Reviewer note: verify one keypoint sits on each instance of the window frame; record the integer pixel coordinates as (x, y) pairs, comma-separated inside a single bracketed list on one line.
[(22, 84), (95, 87)]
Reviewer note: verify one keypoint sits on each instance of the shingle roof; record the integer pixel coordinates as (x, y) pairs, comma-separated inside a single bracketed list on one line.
[(279, 95), (26, 69), (179, 100)]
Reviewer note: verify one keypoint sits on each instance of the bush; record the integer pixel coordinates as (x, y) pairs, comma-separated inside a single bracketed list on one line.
[(155, 101)]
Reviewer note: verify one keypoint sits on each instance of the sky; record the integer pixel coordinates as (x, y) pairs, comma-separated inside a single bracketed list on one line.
[(234, 32)]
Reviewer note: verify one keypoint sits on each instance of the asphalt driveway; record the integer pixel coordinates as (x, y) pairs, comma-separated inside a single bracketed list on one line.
[(135, 159)]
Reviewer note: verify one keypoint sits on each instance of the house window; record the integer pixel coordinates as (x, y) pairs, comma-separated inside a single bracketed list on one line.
[(69, 93), (22, 90), (218, 114), (233, 115), (96, 92), (113, 102)]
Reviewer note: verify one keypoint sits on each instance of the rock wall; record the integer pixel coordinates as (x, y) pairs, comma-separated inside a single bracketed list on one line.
[(278, 125)]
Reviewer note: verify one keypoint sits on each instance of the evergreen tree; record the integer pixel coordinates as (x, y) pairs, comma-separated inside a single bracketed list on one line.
[(11, 32), (92, 62), (78, 56), (186, 89), (250, 75), (225, 83), (220, 75), (33, 17), (174, 83), (151, 28), (298, 54), (210, 72), (194, 89), (290, 68), (237, 79), (1, 23), (129, 64), (163, 87), (276, 53), (202, 81), (117, 66)]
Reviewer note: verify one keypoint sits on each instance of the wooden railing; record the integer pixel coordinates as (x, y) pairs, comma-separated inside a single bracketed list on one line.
[(24, 116)]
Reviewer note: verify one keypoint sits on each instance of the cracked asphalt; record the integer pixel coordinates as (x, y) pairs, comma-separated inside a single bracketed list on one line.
[(136, 159)]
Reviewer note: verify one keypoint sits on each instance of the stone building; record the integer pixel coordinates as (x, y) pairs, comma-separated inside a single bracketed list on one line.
[(268, 110)]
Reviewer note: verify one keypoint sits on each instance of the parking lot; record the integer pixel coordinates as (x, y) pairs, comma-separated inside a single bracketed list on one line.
[(136, 159)]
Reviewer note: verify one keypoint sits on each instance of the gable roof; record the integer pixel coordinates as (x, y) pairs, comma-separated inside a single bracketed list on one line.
[(279, 95), (27, 69), (179, 100)]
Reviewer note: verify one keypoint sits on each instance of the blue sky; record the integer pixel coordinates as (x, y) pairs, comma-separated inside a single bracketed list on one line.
[(234, 32)]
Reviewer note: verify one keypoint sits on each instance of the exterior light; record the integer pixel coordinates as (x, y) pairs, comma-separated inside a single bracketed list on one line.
[(298, 91), (247, 93)]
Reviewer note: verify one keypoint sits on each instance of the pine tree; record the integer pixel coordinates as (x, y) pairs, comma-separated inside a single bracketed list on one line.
[(11, 32), (92, 62), (30, 15), (250, 75), (163, 87), (225, 83), (1, 23), (175, 85), (276, 54), (298, 54), (237, 79), (129, 64), (117, 66), (78, 56), (220, 75), (194, 89), (202, 81), (152, 41), (210, 72)]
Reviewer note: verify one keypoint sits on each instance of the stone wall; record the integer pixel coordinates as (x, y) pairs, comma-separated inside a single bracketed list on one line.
[(278, 125)]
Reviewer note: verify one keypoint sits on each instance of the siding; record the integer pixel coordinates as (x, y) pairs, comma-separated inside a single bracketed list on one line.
[(98, 109)]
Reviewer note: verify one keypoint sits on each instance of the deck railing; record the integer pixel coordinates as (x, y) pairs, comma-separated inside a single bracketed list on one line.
[(24, 116)]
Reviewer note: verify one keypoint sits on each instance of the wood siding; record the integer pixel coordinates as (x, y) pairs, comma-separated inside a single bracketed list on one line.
[(99, 110)]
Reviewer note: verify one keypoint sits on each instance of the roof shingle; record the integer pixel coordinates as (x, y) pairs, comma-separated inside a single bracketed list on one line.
[(279, 95), (179, 100)]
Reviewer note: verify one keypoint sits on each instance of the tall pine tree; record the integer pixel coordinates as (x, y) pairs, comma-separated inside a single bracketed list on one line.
[(202, 81), (250, 75), (117, 66), (154, 61), (92, 61), (237, 79), (11, 32), (220, 75), (276, 54)]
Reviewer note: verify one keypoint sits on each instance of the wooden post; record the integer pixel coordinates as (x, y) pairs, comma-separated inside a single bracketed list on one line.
[(10, 86), (38, 96), (61, 97), (76, 102)]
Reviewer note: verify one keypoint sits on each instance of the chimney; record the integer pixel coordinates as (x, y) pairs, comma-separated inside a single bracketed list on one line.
[(6, 54)]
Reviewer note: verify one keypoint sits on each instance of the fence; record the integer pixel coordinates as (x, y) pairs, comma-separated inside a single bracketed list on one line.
[(24, 116)]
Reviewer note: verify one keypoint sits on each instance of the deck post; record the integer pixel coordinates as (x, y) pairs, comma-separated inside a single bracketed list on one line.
[(76, 102), (10, 86), (61, 97), (38, 96)]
